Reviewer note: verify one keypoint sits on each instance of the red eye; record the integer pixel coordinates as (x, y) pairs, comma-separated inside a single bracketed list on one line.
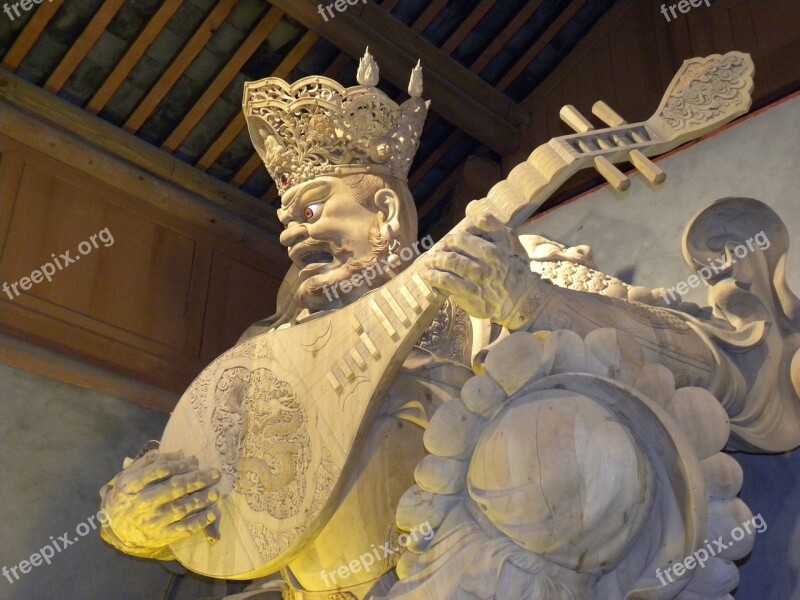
[(312, 211)]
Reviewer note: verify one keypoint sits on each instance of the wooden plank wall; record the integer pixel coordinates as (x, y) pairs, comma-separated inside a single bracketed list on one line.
[(630, 56), (156, 302)]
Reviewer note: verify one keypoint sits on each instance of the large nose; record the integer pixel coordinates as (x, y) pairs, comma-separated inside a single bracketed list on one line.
[(294, 233)]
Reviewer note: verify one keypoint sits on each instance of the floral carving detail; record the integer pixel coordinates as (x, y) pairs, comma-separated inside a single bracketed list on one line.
[(449, 336), (707, 88)]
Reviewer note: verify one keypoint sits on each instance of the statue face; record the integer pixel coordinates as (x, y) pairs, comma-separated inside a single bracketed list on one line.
[(330, 237)]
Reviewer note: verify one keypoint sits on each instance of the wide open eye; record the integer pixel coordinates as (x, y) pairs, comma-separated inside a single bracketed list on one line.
[(312, 211)]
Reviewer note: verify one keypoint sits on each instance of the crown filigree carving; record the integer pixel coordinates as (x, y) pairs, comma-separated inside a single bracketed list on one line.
[(316, 126)]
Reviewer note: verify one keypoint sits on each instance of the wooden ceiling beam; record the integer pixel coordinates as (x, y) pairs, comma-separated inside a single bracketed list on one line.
[(548, 36), (27, 110), (29, 35), (437, 155), (223, 79), (552, 31), (509, 31), (461, 97), (81, 47), (467, 26), (177, 67), (131, 57), (447, 184), (247, 170), (428, 15)]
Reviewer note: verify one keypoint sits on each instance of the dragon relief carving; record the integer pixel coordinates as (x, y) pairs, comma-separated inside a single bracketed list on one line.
[(264, 441)]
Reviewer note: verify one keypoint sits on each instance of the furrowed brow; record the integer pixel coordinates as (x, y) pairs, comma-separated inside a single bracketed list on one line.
[(290, 202)]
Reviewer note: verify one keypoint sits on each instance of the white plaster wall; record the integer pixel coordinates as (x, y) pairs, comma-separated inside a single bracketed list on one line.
[(59, 443), (636, 236)]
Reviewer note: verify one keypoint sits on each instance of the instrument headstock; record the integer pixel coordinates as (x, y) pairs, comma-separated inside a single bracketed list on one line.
[(705, 94)]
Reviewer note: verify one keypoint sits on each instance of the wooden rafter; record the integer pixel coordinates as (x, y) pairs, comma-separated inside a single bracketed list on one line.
[(223, 79), (247, 170), (467, 26), (177, 67), (509, 31), (131, 57), (437, 155), (81, 47), (28, 36), (540, 44), (235, 127), (437, 196), (461, 97), (428, 15)]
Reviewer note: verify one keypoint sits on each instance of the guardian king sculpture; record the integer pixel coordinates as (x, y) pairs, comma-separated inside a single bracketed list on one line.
[(496, 419)]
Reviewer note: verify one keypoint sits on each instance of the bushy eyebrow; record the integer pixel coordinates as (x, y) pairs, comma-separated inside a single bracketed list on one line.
[(290, 201)]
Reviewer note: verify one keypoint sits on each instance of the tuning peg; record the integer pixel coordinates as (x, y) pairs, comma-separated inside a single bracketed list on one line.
[(605, 113), (570, 115), (647, 167), (618, 180)]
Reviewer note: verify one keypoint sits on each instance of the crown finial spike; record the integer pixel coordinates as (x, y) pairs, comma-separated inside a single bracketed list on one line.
[(368, 72), (415, 82)]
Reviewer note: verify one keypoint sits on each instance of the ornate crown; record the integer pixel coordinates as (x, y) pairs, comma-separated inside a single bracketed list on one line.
[(317, 127)]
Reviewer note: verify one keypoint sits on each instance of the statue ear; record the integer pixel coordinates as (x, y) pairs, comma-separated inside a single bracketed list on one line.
[(388, 204)]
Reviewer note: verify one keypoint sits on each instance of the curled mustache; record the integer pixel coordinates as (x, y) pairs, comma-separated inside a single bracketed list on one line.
[(378, 243)]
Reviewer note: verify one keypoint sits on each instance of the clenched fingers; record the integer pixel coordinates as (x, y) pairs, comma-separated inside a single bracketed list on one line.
[(458, 264), (179, 509), (179, 486), (134, 480), (193, 523)]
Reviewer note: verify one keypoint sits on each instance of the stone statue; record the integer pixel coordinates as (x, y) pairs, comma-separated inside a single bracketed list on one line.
[(494, 419)]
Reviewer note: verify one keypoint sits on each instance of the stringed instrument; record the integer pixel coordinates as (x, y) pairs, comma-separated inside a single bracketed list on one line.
[(283, 414)]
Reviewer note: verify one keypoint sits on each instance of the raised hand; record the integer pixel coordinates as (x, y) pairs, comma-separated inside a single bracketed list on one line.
[(486, 269)]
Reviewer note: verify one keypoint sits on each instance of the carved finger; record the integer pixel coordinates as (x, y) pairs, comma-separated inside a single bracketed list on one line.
[(178, 509), (469, 245), (467, 293), (486, 223), (193, 523), (490, 228), (459, 265), (179, 486), (134, 481)]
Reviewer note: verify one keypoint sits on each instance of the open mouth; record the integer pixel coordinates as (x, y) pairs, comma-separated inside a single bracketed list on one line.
[(316, 258)]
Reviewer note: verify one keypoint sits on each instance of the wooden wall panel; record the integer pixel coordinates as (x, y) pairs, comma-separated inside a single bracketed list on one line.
[(136, 280), (239, 296), (156, 302)]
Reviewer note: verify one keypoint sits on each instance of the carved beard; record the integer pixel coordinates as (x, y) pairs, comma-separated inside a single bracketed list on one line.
[(379, 244)]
